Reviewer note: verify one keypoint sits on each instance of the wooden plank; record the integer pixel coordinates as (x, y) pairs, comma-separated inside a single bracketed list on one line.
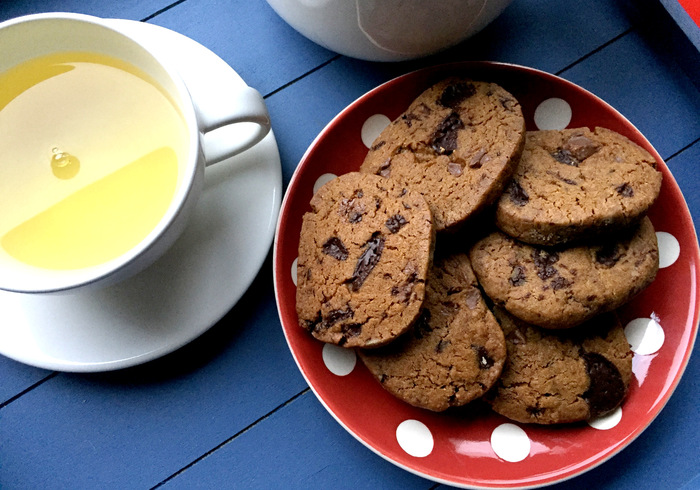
[(250, 37), (17, 378), (136, 427), (303, 447), (123, 9)]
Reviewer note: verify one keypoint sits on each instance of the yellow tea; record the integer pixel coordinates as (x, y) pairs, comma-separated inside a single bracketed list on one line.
[(89, 156)]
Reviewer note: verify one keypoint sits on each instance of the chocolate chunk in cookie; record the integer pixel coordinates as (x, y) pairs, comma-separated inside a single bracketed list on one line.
[(455, 351), (457, 144), (564, 376), (364, 254)]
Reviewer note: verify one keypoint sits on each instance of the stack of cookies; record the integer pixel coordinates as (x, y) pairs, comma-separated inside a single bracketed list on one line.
[(517, 310)]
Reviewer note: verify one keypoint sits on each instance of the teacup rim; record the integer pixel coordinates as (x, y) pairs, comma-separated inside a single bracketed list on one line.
[(48, 281)]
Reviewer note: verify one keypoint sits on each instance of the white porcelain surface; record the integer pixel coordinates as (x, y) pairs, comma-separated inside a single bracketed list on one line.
[(388, 30), (236, 103), (191, 286)]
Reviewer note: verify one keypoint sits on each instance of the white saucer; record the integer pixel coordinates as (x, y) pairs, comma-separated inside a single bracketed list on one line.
[(192, 286)]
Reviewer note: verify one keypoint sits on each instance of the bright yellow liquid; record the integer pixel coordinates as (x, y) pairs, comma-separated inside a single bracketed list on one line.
[(90, 149)]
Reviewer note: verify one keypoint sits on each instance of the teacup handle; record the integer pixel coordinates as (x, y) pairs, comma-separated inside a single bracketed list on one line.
[(247, 109)]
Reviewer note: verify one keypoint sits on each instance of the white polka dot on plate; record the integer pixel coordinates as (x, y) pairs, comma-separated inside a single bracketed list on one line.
[(372, 127), (415, 438), (553, 113), (607, 422), (322, 180), (644, 335), (640, 367), (669, 249), (510, 442), (338, 360), (294, 270)]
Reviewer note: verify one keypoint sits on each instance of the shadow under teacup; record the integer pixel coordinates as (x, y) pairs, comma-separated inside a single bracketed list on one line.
[(103, 152)]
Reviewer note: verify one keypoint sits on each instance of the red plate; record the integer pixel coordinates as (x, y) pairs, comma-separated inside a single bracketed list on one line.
[(473, 447)]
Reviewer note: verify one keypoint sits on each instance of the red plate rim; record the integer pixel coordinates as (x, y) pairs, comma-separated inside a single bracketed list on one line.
[(416, 82)]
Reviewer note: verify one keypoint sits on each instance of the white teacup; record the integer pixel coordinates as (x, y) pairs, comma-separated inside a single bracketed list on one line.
[(165, 129)]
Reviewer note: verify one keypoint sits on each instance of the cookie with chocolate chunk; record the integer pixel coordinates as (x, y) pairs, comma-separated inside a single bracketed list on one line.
[(562, 287), (457, 144), (455, 351), (577, 183), (563, 376), (364, 253)]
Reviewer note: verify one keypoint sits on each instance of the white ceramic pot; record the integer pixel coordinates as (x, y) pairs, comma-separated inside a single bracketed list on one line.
[(388, 30)]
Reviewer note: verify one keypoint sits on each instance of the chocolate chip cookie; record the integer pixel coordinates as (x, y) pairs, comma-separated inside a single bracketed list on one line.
[(455, 351), (565, 376), (577, 183), (457, 144), (364, 253), (562, 287)]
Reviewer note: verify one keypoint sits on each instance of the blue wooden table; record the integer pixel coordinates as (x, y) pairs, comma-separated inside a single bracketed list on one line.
[(231, 409)]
